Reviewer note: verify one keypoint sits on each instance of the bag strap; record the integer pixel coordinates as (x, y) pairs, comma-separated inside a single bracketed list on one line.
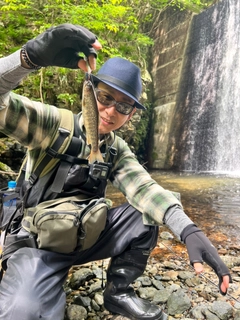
[(29, 212), (55, 153), (55, 202), (66, 163)]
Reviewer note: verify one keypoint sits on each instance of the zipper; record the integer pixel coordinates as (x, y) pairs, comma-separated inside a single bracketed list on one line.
[(76, 221)]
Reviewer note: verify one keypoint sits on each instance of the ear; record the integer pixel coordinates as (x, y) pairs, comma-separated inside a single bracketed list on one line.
[(131, 114)]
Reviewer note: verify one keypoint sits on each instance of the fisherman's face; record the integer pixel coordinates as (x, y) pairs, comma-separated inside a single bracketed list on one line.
[(110, 118)]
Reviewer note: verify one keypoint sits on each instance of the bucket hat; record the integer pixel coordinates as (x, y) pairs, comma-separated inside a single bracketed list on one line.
[(122, 75)]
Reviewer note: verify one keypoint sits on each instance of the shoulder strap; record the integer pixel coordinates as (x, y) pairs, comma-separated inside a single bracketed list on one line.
[(111, 150), (52, 154), (60, 144)]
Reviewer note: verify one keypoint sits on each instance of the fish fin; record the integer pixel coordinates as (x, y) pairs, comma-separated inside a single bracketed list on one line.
[(95, 156)]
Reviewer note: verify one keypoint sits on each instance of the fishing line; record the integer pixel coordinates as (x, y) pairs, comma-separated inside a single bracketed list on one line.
[(192, 268)]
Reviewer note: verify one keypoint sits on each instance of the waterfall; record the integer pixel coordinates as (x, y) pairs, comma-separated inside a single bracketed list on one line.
[(228, 97), (208, 108)]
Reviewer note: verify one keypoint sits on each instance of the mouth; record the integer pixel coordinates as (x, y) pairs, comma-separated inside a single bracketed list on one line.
[(106, 121)]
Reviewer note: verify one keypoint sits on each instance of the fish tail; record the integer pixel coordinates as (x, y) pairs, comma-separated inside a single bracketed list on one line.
[(95, 156)]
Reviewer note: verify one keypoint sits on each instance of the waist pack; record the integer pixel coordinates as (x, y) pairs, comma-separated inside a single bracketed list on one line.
[(68, 224)]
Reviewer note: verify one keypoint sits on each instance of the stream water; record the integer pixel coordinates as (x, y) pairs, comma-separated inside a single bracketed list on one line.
[(211, 201)]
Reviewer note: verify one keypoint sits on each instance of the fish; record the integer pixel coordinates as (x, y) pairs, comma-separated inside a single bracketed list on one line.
[(91, 120)]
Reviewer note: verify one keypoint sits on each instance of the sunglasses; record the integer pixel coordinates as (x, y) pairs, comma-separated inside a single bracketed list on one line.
[(104, 98)]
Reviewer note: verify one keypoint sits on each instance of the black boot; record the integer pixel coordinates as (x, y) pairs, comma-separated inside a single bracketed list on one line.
[(119, 297)]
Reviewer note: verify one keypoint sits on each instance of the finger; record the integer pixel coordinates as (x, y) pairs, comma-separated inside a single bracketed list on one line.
[(97, 45), (92, 61), (225, 283), (198, 267), (82, 65)]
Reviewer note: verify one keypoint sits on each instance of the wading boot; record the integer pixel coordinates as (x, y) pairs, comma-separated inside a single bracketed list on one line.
[(119, 296)]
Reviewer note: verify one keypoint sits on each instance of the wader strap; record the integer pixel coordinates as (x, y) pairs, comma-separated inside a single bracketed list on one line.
[(68, 159), (51, 152)]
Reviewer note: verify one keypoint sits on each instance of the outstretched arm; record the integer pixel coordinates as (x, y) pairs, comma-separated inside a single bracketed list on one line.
[(199, 247)]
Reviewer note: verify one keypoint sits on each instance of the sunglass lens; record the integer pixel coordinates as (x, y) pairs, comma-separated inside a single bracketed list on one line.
[(124, 108), (107, 100)]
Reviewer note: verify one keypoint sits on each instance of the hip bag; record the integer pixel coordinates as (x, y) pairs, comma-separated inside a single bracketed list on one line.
[(67, 224)]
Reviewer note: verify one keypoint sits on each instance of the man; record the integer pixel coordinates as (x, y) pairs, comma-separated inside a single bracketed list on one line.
[(32, 284)]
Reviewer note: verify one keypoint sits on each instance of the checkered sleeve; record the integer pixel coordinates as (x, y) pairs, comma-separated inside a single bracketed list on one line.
[(142, 192)]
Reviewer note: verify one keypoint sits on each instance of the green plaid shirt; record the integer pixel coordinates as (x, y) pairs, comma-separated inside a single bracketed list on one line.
[(34, 125)]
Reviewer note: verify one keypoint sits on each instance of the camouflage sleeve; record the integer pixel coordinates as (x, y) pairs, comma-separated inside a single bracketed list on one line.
[(31, 123), (142, 192)]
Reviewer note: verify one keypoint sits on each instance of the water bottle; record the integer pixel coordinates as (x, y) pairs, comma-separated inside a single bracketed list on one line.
[(9, 206), (9, 193)]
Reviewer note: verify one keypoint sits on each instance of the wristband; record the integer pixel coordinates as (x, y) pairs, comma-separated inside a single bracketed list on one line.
[(27, 60)]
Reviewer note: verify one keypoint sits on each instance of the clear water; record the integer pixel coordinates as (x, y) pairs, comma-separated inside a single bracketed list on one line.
[(211, 201)]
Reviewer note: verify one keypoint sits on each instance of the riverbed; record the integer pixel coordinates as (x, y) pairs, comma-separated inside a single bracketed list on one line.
[(211, 201)]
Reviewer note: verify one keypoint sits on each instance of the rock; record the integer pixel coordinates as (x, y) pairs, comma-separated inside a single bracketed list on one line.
[(222, 309), (178, 302), (181, 294), (79, 277), (166, 235), (75, 312)]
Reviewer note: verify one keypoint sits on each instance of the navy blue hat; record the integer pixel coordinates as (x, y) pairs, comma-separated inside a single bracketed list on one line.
[(122, 75)]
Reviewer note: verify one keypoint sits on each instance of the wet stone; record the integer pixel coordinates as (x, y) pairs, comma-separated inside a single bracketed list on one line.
[(96, 286), (161, 296), (198, 311), (184, 275), (210, 316), (182, 294), (82, 301), (222, 309), (147, 293), (166, 235), (75, 312), (79, 277), (157, 284), (98, 299), (146, 281), (170, 265), (178, 302)]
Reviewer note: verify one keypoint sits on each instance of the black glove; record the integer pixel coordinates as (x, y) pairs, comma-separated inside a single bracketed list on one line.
[(201, 249), (59, 46)]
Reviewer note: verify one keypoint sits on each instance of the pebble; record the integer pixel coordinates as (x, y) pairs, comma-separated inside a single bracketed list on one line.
[(169, 283)]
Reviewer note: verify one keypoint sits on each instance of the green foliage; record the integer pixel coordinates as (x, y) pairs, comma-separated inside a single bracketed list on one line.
[(119, 24), (195, 6)]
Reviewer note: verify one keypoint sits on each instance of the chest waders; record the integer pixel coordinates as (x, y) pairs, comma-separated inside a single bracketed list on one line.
[(58, 173), (62, 179)]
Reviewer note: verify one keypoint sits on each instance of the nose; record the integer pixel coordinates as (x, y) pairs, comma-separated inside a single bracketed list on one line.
[(111, 110)]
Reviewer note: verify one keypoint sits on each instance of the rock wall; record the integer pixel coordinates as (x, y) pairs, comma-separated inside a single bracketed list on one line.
[(195, 90), (167, 55)]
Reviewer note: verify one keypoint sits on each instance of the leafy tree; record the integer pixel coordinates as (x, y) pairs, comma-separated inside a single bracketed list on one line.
[(122, 27)]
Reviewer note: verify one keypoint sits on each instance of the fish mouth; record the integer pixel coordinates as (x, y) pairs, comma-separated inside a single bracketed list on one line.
[(106, 121)]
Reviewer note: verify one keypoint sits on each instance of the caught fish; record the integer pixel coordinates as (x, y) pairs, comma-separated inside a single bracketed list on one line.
[(91, 120)]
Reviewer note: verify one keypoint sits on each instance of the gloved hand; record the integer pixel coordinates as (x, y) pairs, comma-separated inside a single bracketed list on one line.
[(201, 249), (59, 46)]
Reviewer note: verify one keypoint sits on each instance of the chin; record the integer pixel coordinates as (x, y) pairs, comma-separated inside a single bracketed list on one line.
[(104, 131)]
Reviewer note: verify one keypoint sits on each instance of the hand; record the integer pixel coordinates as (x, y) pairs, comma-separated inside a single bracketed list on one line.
[(225, 279), (201, 249), (60, 46)]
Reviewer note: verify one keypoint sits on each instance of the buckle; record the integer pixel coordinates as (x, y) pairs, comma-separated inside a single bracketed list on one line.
[(51, 152)]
